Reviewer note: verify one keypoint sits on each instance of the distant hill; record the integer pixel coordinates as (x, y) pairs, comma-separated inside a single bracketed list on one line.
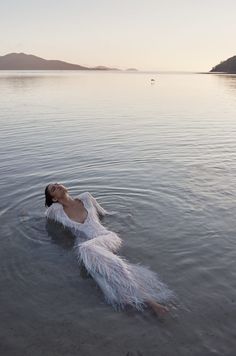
[(103, 68), (132, 70), (228, 66), (22, 61)]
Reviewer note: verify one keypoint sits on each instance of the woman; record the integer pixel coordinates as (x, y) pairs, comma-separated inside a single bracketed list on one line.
[(121, 282)]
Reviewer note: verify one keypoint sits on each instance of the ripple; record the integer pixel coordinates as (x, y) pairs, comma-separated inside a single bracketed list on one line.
[(166, 171)]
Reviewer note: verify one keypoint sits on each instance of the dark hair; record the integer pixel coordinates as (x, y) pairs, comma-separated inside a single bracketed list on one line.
[(48, 197)]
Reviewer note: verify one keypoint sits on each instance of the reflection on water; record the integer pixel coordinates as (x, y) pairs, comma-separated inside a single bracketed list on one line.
[(64, 238), (162, 158), (229, 80), (25, 80), (59, 235)]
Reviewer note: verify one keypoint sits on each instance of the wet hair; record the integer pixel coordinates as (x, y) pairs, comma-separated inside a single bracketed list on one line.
[(48, 197)]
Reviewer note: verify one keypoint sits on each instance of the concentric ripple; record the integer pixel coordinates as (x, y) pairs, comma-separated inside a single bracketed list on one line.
[(161, 158)]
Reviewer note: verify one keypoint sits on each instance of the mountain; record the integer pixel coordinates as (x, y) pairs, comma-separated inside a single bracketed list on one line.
[(132, 70), (22, 61), (103, 68), (228, 66)]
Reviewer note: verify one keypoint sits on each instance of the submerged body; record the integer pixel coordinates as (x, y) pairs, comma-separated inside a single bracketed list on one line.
[(122, 283)]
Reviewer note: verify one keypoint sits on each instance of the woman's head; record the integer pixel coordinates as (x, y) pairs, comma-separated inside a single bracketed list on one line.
[(54, 192)]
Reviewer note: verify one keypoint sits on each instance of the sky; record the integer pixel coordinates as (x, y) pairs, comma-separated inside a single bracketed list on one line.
[(182, 35)]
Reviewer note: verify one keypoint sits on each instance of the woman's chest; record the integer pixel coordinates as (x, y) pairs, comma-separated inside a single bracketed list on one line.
[(77, 212)]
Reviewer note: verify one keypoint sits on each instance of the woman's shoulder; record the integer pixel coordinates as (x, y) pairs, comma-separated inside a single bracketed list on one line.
[(84, 195), (86, 198), (52, 211)]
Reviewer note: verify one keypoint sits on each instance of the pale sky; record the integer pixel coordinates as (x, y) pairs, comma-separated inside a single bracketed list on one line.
[(186, 35)]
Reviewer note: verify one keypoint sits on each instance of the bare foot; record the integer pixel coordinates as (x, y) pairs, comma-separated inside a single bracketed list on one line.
[(159, 310)]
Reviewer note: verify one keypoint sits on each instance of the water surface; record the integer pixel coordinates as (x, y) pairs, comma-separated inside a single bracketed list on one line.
[(163, 157)]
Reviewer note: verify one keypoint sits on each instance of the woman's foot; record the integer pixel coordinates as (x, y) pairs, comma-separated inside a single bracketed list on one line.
[(159, 310)]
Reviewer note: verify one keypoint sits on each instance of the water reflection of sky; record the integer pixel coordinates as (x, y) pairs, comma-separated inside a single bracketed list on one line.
[(163, 158)]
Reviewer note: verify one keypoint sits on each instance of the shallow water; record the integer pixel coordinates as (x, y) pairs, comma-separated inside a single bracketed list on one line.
[(163, 158)]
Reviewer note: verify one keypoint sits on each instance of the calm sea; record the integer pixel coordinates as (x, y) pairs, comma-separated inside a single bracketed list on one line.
[(162, 156)]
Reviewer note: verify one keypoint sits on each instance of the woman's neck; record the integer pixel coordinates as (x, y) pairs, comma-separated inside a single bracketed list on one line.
[(66, 201)]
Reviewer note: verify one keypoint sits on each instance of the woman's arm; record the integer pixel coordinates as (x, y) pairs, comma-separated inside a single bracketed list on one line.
[(97, 206)]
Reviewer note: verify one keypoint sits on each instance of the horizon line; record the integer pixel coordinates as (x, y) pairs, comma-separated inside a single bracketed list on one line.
[(128, 68)]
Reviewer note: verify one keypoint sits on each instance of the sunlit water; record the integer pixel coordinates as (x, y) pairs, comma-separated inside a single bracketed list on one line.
[(163, 157)]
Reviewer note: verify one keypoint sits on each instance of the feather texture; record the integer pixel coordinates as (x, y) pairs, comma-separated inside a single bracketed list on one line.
[(122, 283)]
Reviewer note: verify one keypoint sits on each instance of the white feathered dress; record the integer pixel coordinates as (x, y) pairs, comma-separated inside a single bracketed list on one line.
[(122, 283)]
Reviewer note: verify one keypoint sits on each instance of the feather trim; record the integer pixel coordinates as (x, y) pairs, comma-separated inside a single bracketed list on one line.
[(122, 283)]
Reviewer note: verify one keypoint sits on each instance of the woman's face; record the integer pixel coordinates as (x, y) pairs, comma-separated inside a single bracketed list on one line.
[(57, 191)]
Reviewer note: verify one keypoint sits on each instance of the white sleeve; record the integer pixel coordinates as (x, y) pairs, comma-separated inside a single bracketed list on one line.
[(97, 206), (52, 212)]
